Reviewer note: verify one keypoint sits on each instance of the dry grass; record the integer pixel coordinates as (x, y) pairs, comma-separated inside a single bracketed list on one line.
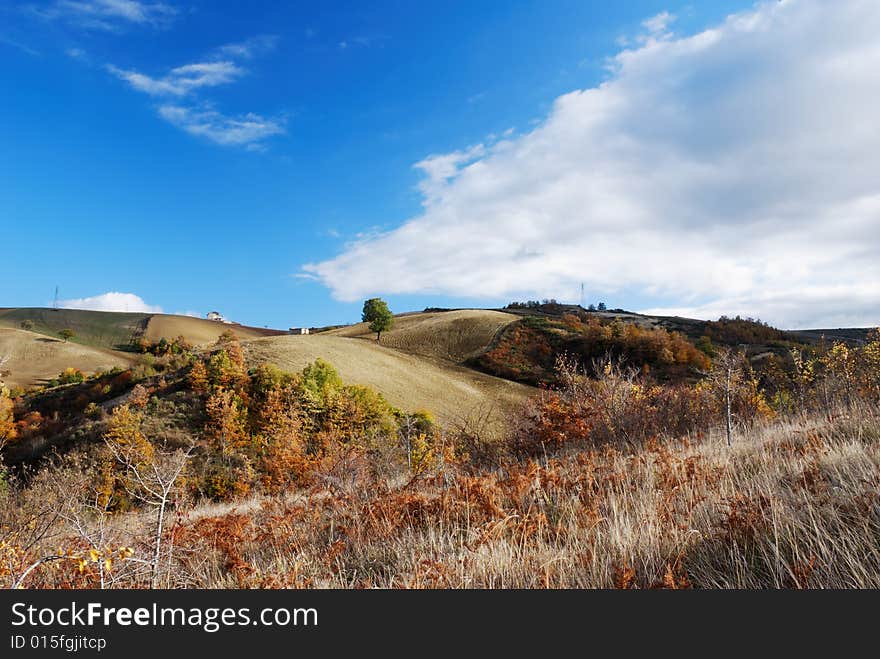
[(196, 331), (452, 393), (453, 336), (34, 358), (793, 505)]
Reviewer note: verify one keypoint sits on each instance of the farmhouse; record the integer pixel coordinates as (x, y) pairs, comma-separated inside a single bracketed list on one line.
[(299, 330)]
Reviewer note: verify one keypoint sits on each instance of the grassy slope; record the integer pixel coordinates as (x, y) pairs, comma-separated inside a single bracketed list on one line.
[(98, 329), (792, 505), (102, 339), (35, 358), (198, 331), (852, 335), (453, 393), (453, 336)]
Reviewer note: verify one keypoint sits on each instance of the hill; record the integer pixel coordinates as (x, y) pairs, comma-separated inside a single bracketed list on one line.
[(102, 339), (451, 392), (34, 358), (98, 329), (417, 366), (853, 336), (454, 336), (198, 331)]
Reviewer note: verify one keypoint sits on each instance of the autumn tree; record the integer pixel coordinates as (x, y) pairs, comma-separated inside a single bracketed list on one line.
[(378, 315), (67, 334), (229, 470), (804, 375), (840, 366), (228, 336), (280, 441), (725, 379), (3, 360), (198, 377), (150, 476), (7, 421), (870, 365)]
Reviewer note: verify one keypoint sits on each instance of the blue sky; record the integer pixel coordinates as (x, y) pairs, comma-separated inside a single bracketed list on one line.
[(261, 158)]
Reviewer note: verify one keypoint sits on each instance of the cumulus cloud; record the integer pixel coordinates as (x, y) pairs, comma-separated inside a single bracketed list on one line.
[(111, 302), (732, 170), (109, 15)]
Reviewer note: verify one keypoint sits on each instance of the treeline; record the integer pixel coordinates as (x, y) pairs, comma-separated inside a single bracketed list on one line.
[(738, 331)]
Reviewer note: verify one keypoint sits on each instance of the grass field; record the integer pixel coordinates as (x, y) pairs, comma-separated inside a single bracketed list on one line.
[(792, 505), (198, 331), (453, 336), (454, 394), (35, 358), (101, 339), (98, 329)]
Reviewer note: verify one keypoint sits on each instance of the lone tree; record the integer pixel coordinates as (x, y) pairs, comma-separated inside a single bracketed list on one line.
[(726, 379), (377, 313), (67, 334)]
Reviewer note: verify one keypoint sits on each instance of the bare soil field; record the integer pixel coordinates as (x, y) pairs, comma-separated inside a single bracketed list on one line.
[(454, 394), (34, 358), (452, 336)]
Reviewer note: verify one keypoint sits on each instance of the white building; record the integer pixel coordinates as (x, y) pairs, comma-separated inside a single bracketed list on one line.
[(299, 330)]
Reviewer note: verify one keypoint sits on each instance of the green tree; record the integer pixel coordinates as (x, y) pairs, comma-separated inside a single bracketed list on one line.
[(27, 324), (377, 313), (67, 334)]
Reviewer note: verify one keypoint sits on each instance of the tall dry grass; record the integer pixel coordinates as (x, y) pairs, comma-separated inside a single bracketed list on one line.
[(792, 505)]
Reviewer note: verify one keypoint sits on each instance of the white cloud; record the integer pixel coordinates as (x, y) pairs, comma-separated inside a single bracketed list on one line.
[(439, 169), (111, 302), (734, 170), (658, 24), (182, 80), (245, 130), (109, 15), (249, 48), (200, 118), (19, 45)]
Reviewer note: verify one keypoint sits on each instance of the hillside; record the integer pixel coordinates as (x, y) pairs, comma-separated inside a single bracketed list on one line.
[(198, 331), (98, 329), (453, 336), (34, 358), (854, 336), (101, 340), (452, 393)]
